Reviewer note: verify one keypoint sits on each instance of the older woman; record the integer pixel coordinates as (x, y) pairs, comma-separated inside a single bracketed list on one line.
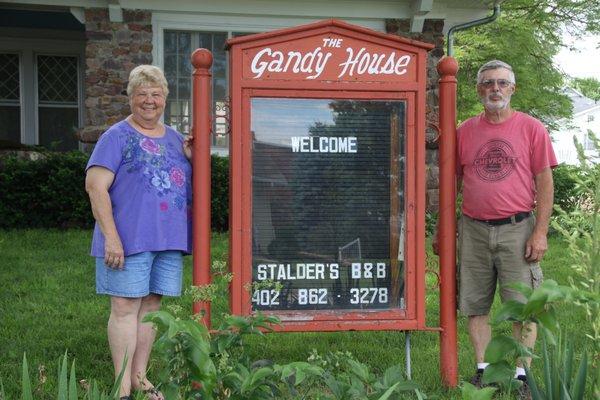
[(139, 184)]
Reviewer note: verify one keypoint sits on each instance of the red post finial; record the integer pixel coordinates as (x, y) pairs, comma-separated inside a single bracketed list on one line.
[(202, 59), (447, 66)]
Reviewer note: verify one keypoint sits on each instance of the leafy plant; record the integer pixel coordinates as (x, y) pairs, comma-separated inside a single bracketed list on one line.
[(590, 87), (199, 364), (211, 366), (557, 353), (347, 378), (67, 384), (584, 248), (25, 381), (559, 381), (185, 347), (431, 223), (470, 392)]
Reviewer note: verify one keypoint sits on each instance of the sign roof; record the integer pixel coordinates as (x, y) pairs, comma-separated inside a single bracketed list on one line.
[(332, 25)]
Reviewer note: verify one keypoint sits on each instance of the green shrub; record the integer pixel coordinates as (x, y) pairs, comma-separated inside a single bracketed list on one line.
[(50, 192), (46, 193), (220, 193), (566, 193), (572, 197)]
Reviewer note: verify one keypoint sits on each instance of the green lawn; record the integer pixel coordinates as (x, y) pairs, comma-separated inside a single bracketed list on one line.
[(48, 305)]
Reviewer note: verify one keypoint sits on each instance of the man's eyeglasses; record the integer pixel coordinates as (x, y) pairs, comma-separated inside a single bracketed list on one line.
[(489, 83)]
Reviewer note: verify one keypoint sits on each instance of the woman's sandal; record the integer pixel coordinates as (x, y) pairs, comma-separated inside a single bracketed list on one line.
[(126, 397), (153, 392)]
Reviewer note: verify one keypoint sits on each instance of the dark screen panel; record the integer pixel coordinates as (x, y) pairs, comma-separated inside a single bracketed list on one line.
[(328, 202)]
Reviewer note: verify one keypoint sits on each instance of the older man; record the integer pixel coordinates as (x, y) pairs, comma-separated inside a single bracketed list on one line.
[(504, 165)]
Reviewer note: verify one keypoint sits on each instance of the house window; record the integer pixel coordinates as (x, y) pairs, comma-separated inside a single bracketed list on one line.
[(590, 118), (57, 96), (10, 99), (40, 98), (178, 46)]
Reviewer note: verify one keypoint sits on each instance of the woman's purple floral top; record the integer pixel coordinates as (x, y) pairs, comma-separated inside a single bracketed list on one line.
[(151, 193)]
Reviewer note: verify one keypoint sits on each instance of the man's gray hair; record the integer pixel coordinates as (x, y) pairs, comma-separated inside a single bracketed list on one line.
[(495, 64)]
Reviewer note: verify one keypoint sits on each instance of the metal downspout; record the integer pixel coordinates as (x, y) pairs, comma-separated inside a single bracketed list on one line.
[(466, 25)]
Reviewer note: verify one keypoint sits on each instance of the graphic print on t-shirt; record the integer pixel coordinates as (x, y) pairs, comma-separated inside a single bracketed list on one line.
[(156, 161), (495, 160)]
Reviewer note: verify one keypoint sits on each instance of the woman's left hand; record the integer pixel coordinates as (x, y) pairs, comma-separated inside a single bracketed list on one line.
[(187, 147)]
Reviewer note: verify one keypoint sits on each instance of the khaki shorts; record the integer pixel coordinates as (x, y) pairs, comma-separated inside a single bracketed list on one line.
[(491, 255)]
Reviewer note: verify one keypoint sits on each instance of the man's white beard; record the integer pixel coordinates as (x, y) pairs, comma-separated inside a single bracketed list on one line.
[(495, 105)]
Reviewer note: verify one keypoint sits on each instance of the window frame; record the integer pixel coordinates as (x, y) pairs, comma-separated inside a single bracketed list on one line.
[(21, 82), (28, 50), (79, 103)]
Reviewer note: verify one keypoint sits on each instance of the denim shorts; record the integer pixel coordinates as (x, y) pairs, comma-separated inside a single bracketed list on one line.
[(148, 272)]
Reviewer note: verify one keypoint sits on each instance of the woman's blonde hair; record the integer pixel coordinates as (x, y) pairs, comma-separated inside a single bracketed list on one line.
[(147, 75)]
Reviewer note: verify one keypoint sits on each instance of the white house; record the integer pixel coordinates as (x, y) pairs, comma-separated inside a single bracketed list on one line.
[(586, 117), (64, 63)]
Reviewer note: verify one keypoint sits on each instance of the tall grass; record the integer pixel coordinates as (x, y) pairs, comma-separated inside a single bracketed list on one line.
[(48, 305)]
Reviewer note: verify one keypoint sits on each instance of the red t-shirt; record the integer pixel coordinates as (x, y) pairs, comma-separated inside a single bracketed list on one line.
[(498, 164)]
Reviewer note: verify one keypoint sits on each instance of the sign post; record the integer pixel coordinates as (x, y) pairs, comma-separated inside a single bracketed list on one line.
[(202, 61), (447, 69)]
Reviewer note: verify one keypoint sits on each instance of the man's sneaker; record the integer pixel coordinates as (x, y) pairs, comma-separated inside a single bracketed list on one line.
[(476, 380), (523, 393)]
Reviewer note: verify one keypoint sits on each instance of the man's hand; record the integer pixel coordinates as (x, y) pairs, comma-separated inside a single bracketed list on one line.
[(536, 246), (114, 256)]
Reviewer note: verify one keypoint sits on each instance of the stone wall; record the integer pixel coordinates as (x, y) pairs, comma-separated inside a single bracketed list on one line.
[(113, 49), (432, 33)]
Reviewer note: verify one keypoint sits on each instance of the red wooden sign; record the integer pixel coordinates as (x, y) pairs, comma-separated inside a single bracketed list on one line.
[(327, 190), (327, 181)]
